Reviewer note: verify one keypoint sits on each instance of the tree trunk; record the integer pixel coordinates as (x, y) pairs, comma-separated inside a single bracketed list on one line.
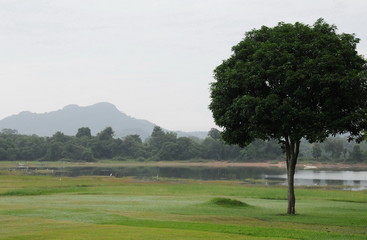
[(292, 151), (291, 196)]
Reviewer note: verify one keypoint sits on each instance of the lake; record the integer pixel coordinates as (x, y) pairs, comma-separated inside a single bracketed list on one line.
[(348, 179)]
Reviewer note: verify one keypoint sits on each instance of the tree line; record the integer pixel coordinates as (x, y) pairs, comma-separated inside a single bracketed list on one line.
[(336, 149), (161, 145)]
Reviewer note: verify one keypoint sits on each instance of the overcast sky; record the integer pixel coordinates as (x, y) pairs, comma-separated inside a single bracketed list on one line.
[(153, 59)]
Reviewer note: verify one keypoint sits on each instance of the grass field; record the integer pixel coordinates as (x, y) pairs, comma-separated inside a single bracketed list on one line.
[(45, 207)]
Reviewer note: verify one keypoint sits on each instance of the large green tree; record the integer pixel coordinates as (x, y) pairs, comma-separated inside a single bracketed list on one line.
[(289, 82)]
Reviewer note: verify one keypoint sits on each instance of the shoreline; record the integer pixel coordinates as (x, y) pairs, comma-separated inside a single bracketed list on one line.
[(214, 164)]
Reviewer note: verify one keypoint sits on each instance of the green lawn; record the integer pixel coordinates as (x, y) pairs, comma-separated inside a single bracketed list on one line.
[(44, 207)]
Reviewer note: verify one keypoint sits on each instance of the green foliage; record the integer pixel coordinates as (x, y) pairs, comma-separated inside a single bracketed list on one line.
[(292, 80), (316, 151), (260, 150), (133, 147), (84, 148), (106, 134), (335, 149), (356, 154), (213, 147), (8, 131), (215, 134), (84, 132), (14, 147), (167, 146), (334, 146)]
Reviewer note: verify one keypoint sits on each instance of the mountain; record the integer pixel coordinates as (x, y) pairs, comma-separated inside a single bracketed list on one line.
[(69, 119)]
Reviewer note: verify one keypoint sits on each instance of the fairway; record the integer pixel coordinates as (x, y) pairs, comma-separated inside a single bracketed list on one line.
[(45, 207)]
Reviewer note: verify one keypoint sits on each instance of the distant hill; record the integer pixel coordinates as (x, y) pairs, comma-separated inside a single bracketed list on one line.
[(69, 119)]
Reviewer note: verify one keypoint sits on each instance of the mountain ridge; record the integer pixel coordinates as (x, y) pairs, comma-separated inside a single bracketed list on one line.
[(72, 117)]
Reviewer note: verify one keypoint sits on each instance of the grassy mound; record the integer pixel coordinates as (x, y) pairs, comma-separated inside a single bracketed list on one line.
[(227, 202)]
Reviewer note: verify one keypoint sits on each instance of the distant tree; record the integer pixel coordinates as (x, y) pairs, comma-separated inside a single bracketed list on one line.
[(87, 155), (356, 154), (77, 152), (345, 151), (14, 146), (157, 139), (8, 131), (215, 134), (187, 148), (56, 146), (218, 150), (59, 137), (157, 132), (316, 151), (212, 149), (133, 146), (30, 147), (103, 145), (84, 132), (335, 147), (160, 142), (106, 134), (260, 150), (169, 151), (290, 82), (55, 151)]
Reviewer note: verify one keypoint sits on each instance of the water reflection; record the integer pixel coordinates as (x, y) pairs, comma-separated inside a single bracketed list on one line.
[(199, 173), (355, 180)]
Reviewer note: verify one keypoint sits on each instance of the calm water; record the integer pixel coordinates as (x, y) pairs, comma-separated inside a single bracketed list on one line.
[(354, 180)]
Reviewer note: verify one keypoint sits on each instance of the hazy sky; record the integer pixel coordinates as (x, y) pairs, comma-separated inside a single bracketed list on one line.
[(153, 59)]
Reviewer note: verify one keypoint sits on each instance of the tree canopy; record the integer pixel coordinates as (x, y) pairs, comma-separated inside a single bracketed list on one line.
[(84, 132), (290, 82)]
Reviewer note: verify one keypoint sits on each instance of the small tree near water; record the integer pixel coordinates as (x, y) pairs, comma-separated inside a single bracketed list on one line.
[(289, 82), (316, 151)]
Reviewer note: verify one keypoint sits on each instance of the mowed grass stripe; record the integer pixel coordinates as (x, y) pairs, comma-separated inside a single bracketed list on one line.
[(103, 218), (46, 229)]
